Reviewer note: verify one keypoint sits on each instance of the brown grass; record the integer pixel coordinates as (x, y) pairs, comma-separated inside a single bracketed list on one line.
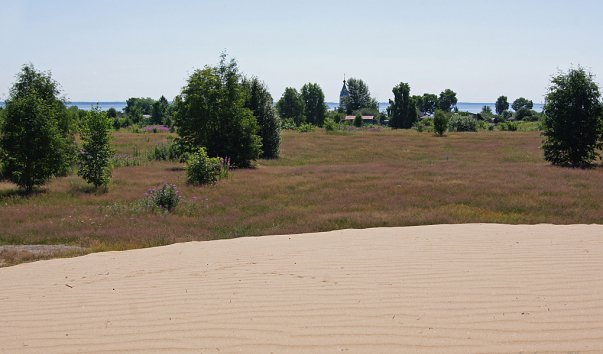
[(322, 182)]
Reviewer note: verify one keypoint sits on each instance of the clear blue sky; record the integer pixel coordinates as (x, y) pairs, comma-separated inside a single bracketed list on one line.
[(112, 50)]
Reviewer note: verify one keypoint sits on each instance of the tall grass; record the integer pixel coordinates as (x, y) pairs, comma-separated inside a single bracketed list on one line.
[(366, 178)]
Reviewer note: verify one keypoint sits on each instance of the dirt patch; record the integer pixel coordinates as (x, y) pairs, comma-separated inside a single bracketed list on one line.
[(13, 254)]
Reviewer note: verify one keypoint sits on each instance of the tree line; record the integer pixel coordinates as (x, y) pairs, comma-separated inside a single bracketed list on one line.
[(221, 113)]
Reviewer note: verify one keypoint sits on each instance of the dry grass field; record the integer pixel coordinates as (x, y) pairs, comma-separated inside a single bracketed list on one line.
[(322, 182)]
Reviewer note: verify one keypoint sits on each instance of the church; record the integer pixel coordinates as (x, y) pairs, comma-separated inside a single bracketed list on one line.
[(344, 93), (343, 96)]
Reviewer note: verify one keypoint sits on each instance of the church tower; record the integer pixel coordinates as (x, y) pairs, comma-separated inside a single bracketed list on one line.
[(344, 94)]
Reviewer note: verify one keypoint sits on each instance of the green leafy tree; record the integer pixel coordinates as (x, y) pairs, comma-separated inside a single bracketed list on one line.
[(210, 112), (95, 157), (314, 104), (524, 114), (291, 106), (402, 110), (112, 113), (447, 100), (360, 97), (160, 111), (137, 107), (573, 126), (440, 122), (427, 104), (259, 100), (37, 133), (502, 104), (522, 103)]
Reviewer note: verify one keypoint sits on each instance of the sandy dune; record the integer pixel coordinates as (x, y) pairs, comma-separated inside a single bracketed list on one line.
[(450, 288)]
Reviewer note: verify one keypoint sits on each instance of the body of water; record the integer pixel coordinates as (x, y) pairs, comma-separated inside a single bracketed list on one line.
[(471, 107), (462, 106)]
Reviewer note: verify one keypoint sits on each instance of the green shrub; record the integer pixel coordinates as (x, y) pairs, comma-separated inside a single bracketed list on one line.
[(175, 151), (202, 169), (508, 126), (524, 114), (288, 124), (306, 128), (358, 121), (458, 123), (481, 124), (164, 199), (440, 122), (425, 125), (330, 125), (505, 115)]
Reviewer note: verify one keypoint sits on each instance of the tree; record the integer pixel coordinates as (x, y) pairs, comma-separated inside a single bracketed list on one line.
[(520, 103), (291, 106), (37, 133), (95, 157), (447, 101), (210, 113), (259, 100), (440, 122), (159, 111), (360, 97), (314, 104), (137, 107), (112, 113), (427, 103), (524, 114), (402, 110), (358, 120), (501, 104), (573, 123)]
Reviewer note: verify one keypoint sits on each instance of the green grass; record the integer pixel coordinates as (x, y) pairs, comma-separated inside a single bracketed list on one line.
[(365, 178)]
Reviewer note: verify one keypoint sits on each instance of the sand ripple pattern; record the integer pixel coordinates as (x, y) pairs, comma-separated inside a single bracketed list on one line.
[(430, 289)]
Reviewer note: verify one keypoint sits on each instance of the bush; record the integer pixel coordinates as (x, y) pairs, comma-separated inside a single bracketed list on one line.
[(306, 128), (330, 125), (523, 114), (335, 116), (508, 126), (175, 151), (358, 121), (505, 115), (424, 125), (458, 123), (481, 124), (288, 124), (164, 199), (202, 169), (440, 122)]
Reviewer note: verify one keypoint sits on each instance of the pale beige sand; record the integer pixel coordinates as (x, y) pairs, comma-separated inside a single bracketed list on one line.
[(450, 288)]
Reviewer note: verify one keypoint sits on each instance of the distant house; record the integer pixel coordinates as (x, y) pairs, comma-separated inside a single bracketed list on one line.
[(365, 119)]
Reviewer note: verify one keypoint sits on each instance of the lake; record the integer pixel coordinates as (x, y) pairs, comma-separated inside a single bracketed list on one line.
[(472, 107)]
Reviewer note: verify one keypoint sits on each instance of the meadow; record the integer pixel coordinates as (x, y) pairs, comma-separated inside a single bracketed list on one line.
[(368, 178)]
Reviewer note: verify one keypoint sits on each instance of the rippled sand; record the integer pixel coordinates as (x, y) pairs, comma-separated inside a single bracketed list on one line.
[(447, 288)]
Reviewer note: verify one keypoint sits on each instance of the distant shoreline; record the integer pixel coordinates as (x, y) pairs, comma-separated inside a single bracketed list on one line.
[(472, 107)]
